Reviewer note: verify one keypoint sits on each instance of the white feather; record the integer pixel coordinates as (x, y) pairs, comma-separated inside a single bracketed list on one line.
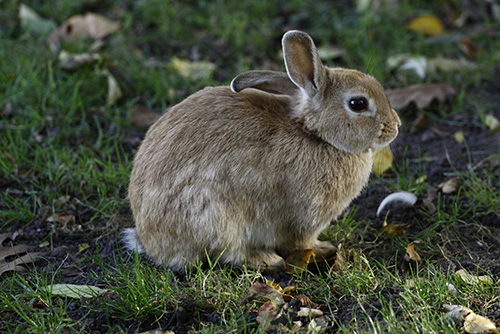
[(406, 198)]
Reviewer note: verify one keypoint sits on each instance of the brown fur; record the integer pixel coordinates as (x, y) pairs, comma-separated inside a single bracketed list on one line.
[(250, 175)]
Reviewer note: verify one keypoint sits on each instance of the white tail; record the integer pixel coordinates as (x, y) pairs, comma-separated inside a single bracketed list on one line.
[(130, 241)]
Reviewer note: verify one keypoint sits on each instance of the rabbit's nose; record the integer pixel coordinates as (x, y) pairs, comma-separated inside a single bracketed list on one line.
[(396, 118)]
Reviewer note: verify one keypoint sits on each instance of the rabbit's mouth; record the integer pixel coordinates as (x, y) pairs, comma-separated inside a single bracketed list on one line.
[(388, 133)]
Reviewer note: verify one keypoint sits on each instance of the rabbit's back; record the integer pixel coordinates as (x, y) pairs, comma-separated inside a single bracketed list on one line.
[(223, 170)]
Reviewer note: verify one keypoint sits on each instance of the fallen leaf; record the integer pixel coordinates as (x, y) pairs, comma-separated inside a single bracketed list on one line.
[(472, 279), (80, 27), (316, 326), (447, 64), (31, 21), (82, 247), (61, 218), (298, 261), (449, 186), (382, 160), (468, 47), (265, 292), (412, 253), (402, 199), (309, 312), (114, 90), (429, 25), (472, 322), (422, 66), (267, 313), (394, 230), (143, 117), (422, 95), (71, 61), (491, 122), (306, 301), (421, 179), (75, 291), (22, 256), (459, 137), (343, 260), (196, 70)]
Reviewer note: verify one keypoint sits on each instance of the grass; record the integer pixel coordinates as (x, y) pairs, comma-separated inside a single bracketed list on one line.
[(64, 152)]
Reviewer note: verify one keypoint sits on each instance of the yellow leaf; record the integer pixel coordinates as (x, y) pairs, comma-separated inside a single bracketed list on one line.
[(412, 253), (491, 122), (196, 70), (394, 230), (75, 291), (382, 160), (471, 279), (472, 322), (429, 25), (299, 260), (459, 137)]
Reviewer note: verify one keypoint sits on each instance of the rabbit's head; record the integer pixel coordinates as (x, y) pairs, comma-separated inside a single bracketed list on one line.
[(346, 108)]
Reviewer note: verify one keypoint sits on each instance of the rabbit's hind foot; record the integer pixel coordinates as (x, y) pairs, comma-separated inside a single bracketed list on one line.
[(265, 261), (324, 251)]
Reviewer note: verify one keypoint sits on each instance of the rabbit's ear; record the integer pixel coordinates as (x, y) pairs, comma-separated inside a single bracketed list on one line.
[(268, 81), (302, 61)]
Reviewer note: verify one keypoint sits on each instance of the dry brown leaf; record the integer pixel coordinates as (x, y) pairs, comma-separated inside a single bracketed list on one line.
[(306, 301), (468, 47), (343, 260), (264, 291), (412, 253), (394, 230), (21, 251), (299, 260), (61, 218), (449, 186), (429, 25), (80, 27), (143, 117), (422, 95), (472, 322), (65, 222), (267, 313)]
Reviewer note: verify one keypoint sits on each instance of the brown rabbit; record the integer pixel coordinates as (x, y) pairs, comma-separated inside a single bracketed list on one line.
[(252, 172)]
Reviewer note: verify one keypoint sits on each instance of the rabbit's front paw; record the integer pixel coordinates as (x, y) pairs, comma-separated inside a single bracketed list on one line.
[(265, 260)]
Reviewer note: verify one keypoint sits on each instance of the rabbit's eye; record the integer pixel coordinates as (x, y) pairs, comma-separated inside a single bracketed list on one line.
[(358, 104)]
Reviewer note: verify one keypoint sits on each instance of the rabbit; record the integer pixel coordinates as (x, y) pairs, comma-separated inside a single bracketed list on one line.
[(251, 173)]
